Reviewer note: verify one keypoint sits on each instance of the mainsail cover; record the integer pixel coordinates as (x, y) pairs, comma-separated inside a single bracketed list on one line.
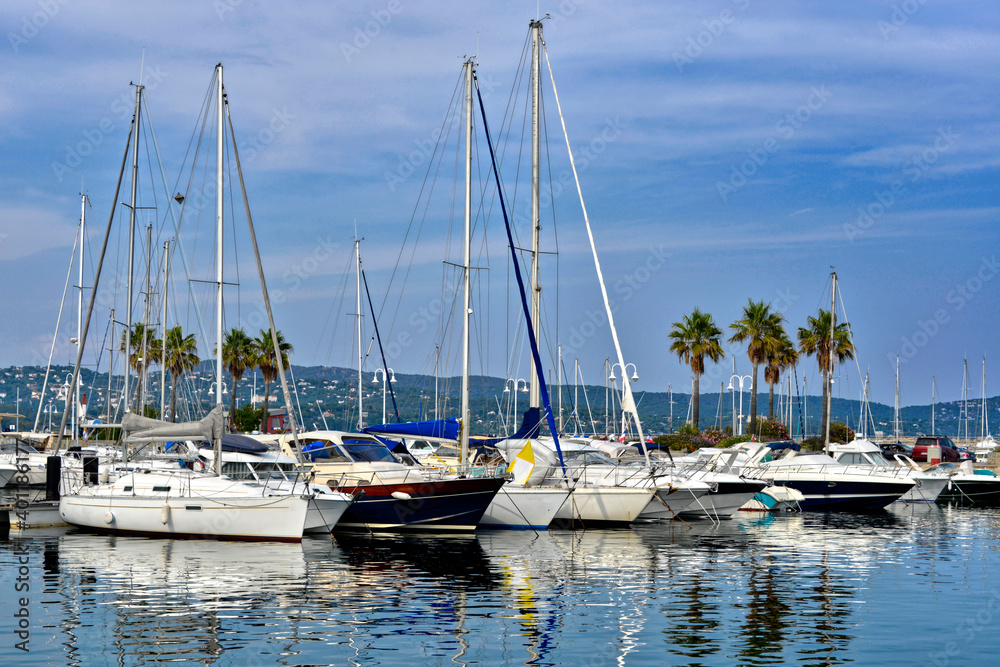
[(435, 429), (144, 429)]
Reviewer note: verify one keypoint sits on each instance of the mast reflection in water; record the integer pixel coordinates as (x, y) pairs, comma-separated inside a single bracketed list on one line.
[(806, 590)]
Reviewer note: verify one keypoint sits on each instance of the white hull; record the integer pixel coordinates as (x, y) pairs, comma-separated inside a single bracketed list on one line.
[(324, 512), (670, 501), (719, 505), (186, 504), (604, 504), (524, 507), (925, 489), (43, 514), (6, 474)]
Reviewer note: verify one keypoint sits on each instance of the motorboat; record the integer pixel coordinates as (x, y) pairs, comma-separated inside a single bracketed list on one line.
[(968, 485), (825, 484), (862, 452)]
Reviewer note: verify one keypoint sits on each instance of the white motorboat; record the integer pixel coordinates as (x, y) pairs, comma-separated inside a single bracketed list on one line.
[(864, 453)]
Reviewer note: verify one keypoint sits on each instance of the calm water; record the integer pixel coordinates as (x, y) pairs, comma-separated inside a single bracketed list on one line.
[(917, 585)]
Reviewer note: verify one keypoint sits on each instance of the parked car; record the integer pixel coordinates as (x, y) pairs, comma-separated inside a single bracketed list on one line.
[(949, 450), (965, 455), (891, 449)]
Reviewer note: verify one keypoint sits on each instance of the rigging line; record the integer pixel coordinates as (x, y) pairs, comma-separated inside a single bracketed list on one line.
[(381, 351), (236, 248), (444, 124), (55, 336), (520, 283)]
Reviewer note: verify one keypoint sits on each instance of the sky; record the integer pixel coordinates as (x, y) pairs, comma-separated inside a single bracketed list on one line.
[(727, 151)]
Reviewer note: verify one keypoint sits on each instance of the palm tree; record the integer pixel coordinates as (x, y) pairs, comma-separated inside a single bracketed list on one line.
[(267, 362), (132, 342), (239, 353), (181, 357), (694, 338), (759, 328), (784, 355), (814, 339)]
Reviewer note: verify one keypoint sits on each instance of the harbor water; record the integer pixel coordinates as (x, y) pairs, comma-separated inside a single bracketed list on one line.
[(916, 585)]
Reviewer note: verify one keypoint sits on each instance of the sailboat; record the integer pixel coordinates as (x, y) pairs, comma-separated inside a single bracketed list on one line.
[(147, 500)]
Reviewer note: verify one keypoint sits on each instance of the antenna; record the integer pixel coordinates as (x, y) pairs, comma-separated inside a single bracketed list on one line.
[(142, 64)]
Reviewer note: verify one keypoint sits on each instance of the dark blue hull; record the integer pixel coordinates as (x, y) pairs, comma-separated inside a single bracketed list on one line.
[(445, 505), (851, 496), (972, 492)]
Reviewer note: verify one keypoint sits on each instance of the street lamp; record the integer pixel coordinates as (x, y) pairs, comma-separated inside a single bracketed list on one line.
[(614, 386), (520, 384), (392, 378), (742, 379)]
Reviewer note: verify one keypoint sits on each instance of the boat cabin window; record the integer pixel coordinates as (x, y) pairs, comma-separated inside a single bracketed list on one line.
[(368, 451), (161, 489), (236, 470), (590, 458), (852, 458), (15, 448), (324, 451), (272, 469), (448, 451)]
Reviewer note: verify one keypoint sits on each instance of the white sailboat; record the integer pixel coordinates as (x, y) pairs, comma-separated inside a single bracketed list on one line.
[(141, 499), (986, 442)]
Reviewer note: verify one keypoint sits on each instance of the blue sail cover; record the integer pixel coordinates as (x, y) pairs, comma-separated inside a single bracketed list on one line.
[(445, 429)]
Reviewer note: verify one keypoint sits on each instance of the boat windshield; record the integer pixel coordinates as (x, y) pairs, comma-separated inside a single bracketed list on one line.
[(589, 458), (368, 451), (942, 467), (15, 448)]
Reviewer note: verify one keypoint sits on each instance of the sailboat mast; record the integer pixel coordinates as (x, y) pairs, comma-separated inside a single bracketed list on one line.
[(536, 32), (466, 418), (895, 418), (829, 376), (357, 261), (131, 246), (933, 399), (163, 323), (218, 263), (79, 308), (144, 365), (965, 398), (984, 426)]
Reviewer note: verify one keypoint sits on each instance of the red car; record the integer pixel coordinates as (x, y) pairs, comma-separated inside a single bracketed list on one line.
[(949, 452)]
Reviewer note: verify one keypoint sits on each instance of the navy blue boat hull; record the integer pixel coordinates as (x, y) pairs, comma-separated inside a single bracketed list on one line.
[(455, 505), (865, 496)]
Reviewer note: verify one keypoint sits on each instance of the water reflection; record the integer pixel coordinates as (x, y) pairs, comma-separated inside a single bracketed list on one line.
[(806, 590)]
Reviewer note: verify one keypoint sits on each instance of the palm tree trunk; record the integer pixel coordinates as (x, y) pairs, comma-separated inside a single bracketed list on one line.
[(173, 396), (753, 402), (695, 400), (770, 400), (826, 417), (263, 419), (232, 406)]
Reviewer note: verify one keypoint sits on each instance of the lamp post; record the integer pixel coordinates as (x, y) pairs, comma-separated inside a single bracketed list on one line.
[(520, 384), (392, 378), (670, 392), (614, 386), (742, 379)]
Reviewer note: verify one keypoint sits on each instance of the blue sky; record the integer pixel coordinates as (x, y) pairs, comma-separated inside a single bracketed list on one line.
[(737, 149)]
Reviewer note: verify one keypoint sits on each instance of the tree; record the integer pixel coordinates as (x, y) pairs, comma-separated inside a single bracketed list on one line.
[(760, 328), (814, 339), (694, 338), (783, 356), (132, 343), (239, 354), (267, 362), (181, 357)]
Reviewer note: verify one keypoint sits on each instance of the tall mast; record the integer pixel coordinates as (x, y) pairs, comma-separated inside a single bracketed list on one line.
[(965, 398), (218, 263), (895, 419), (933, 399), (829, 376), (79, 308), (984, 426), (560, 385), (357, 256), (145, 319), (131, 245), (466, 418), (163, 323), (534, 400)]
